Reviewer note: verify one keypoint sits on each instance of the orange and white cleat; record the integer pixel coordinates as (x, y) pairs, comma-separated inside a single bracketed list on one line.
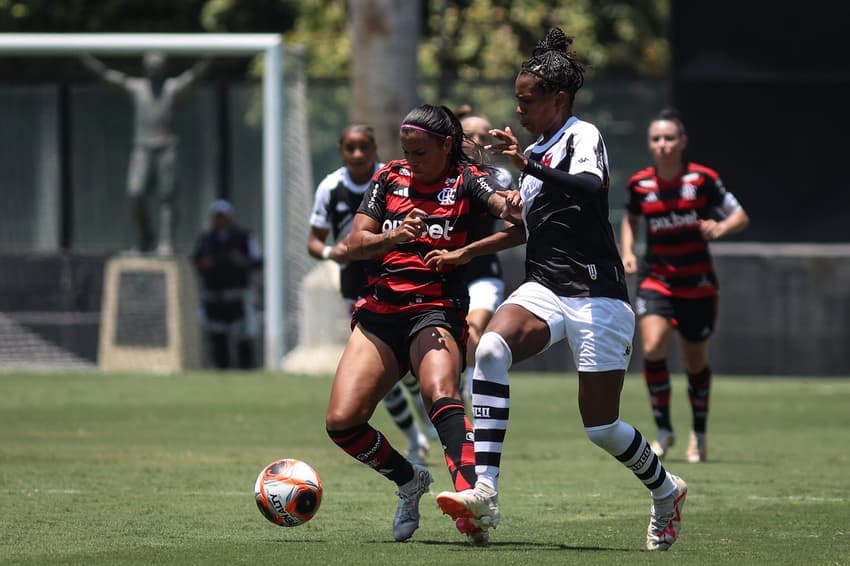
[(480, 505)]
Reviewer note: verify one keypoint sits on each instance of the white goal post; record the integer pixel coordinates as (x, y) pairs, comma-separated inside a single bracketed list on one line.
[(208, 44)]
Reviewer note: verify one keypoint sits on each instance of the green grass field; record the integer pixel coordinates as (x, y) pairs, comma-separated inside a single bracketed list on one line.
[(141, 469)]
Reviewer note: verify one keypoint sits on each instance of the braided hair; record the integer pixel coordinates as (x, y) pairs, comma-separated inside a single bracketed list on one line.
[(439, 122), (555, 65)]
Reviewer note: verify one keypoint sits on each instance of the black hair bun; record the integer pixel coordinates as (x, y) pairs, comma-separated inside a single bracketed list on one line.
[(555, 40)]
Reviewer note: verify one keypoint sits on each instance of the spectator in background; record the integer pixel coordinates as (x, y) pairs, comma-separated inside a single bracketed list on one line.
[(483, 275), (153, 158), (225, 258), (686, 206), (336, 201)]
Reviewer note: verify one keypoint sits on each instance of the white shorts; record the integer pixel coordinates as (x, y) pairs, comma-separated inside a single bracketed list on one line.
[(598, 329), (486, 294)]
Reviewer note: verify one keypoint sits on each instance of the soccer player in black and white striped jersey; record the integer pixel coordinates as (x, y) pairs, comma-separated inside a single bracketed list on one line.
[(574, 290)]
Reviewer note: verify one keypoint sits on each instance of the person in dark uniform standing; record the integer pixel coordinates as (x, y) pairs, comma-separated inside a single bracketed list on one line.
[(225, 258), (574, 290), (337, 199), (685, 205), (414, 318)]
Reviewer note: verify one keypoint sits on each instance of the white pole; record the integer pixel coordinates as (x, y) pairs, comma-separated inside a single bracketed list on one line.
[(198, 44), (274, 210), (201, 45)]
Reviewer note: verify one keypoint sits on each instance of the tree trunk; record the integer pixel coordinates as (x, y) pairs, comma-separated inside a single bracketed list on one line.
[(384, 68)]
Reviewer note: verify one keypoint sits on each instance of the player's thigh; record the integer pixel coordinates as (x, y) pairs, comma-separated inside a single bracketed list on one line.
[(656, 313), (655, 332), (525, 333), (435, 358), (366, 371)]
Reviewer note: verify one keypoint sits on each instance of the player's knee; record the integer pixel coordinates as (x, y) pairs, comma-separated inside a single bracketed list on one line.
[(493, 353), (606, 437)]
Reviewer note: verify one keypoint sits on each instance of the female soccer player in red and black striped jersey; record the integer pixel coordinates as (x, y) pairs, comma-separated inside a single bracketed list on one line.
[(337, 199), (574, 290), (414, 317), (685, 206)]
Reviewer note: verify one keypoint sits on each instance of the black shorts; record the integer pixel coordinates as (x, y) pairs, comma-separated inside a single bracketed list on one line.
[(693, 318), (397, 330)]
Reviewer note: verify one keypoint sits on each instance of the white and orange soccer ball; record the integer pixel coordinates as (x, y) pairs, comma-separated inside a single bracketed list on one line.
[(288, 492)]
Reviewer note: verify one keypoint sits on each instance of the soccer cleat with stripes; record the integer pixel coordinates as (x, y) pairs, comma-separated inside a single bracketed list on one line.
[(480, 505), (406, 519), (663, 442), (665, 517)]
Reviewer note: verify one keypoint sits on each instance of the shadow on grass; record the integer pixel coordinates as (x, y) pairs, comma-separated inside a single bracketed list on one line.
[(525, 545)]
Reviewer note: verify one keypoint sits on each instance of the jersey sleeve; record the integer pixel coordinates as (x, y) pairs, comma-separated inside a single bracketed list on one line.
[(588, 153), (320, 215), (481, 187), (374, 203), (722, 202)]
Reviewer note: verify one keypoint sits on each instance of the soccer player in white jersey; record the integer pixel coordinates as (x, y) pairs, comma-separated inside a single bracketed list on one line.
[(574, 290)]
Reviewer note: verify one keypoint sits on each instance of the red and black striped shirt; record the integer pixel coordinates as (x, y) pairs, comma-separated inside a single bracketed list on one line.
[(402, 282), (677, 261)]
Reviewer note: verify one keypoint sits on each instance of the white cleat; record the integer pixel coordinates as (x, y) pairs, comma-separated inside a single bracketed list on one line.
[(480, 505), (406, 519), (663, 442), (697, 448), (665, 517)]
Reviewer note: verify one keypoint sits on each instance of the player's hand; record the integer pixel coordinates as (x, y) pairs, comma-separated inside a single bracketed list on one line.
[(439, 260), (629, 263), (512, 210), (411, 227), (711, 229), (509, 147)]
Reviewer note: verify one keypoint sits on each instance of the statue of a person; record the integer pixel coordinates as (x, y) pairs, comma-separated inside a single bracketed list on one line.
[(153, 158)]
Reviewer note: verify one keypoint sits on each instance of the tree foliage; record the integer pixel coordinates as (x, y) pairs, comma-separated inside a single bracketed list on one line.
[(460, 39)]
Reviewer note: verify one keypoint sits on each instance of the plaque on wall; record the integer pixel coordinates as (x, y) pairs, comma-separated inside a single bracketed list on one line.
[(142, 310)]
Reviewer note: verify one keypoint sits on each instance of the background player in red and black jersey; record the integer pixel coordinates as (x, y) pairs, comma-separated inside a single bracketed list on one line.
[(685, 206), (414, 317)]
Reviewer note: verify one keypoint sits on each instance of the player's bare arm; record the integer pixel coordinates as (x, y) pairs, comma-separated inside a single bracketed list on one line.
[(508, 238), (714, 230), (367, 241), (628, 228)]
